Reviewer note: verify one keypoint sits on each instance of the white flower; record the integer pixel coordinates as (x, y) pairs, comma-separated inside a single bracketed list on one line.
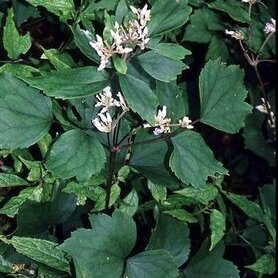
[(270, 27), (105, 99), (104, 123), (249, 1), (238, 35), (185, 122), (121, 102), (262, 108)]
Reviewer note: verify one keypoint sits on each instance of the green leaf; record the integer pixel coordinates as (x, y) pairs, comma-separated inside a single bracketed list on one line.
[(167, 15), (217, 227), (13, 205), (154, 263), (192, 161), (83, 82), (18, 70), (76, 154), (56, 58), (160, 67), (200, 195), (222, 95), (207, 264), (13, 42), (181, 215), (10, 180), (173, 236), (42, 251), (139, 97), (170, 50), (63, 8), (158, 192), (129, 204), (202, 26), (217, 50), (101, 251), (120, 65), (264, 265), (22, 109), (235, 9)]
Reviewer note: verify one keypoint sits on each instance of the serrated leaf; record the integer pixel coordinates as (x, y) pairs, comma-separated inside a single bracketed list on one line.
[(158, 192), (11, 180), (202, 26), (84, 81), (167, 15), (154, 263), (76, 154), (139, 96), (13, 42), (264, 265), (101, 251), (160, 67), (22, 108), (217, 227), (129, 204), (63, 8), (217, 49), (222, 95), (42, 251), (173, 236), (235, 9), (192, 161)]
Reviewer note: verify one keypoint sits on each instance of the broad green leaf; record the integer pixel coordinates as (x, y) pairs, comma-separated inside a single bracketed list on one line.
[(158, 192), (13, 42), (211, 264), (217, 50), (200, 195), (217, 227), (129, 204), (264, 265), (63, 8), (11, 180), (173, 236), (154, 263), (13, 205), (22, 109), (167, 15), (202, 26), (222, 95), (76, 154), (170, 50), (235, 9), (18, 70), (83, 82), (181, 215), (192, 161), (57, 59), (160, 67), (42, 251), (139, 97), (101, 251)]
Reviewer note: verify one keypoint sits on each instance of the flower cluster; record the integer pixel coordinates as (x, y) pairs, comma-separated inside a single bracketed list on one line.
[(263, 109), (104, 121), (238, 35), (163, 124), (270, 27), (134, 34)]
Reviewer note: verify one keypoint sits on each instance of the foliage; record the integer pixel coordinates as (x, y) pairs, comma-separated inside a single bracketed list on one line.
[(137, 139)]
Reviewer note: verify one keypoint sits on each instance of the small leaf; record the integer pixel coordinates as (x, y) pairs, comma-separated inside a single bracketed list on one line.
[(101, 251), (22, 108), (173, 236), (181, 215), (76, 154), (154, 263), (160, 67), (222, 95), (13, 42), (57, 59), (167, 15), (159, 192), (264, 265), (192, 161), (84, 81), (10, 180), (42, 251), (217, 227), (139, 97), (120, 65), (19, 70), (129, 204)]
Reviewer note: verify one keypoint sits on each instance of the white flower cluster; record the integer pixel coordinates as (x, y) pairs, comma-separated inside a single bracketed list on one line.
[(135, 34), (104, 121), (270, 27), (163, 124), (262, 108), (238, 35)]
